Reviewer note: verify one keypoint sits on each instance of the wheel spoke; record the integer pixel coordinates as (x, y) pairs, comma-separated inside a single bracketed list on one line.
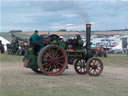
[(99, 65), (79, 69), (60, 64), (98, 70), (47, 54), (95, 71), (94, 62), (53, 53), (56, 52), (45, 63), (91, 64), (84, 69), (52, 68), (90, 69), (60, 60), (49, 68), (55, 67), (80, 61), (45, 60), (60, 57)]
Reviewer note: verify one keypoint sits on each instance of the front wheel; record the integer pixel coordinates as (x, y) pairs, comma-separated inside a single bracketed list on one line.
[(80, 66), (94, 67)]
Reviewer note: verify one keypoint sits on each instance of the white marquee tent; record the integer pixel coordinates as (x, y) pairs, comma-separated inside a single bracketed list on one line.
[(4, 41)]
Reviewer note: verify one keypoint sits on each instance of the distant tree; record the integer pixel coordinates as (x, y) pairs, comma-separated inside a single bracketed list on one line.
[(15, 31), (76, 31), (82, 30), (63, 30), (70, 31)]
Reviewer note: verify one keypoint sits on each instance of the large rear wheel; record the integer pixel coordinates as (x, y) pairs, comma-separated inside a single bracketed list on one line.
[(52, 60)]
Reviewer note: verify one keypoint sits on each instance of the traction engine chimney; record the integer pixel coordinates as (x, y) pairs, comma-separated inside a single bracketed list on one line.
[(88, 36)]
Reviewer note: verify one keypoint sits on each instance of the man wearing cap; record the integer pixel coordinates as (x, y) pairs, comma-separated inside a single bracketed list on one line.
[(35, 41)]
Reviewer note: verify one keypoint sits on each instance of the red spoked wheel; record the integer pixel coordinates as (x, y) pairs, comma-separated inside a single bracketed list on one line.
[(94, 67), (80, 66), (52, 60)]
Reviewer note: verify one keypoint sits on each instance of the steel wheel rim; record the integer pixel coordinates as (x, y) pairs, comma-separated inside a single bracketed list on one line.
[(80, 67), (53, 60), (95, 67)]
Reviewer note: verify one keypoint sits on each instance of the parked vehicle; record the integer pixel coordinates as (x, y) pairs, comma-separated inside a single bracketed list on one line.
[(2, 50)]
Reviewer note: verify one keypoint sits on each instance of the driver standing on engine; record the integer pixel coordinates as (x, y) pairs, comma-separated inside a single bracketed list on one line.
[(35, 42)]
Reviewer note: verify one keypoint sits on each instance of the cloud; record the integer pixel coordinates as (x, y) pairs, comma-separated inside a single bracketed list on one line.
[(69, 15), (113, 1), (103, 14), (67, 26)]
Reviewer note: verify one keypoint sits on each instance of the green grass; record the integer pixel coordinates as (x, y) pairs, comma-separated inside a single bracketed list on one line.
[(111, 60), (10, 58), (120, 60)]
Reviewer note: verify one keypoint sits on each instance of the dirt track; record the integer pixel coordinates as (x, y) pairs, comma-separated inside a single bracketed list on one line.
[(15, 79), (15, 70)]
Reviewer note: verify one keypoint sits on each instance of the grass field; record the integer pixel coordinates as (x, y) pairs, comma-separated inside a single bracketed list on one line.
[(19, 81)]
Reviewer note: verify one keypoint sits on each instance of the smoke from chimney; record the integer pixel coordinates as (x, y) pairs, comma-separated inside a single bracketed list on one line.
[(81, 12)]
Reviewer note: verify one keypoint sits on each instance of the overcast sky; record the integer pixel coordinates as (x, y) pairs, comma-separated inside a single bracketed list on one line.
[(50, 15)]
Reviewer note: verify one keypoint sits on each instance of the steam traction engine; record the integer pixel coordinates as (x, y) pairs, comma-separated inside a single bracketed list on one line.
[(13, 48), (54, 57)]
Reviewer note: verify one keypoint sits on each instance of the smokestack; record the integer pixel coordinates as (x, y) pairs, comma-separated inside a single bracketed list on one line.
[(88, 36)]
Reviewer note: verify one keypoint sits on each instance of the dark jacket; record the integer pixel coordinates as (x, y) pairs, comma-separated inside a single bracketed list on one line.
[(36, 39)]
